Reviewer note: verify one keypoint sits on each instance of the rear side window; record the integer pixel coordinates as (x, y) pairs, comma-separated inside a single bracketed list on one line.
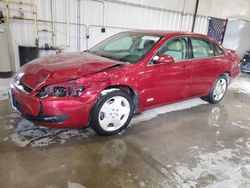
[(201, 48), (217, 50)]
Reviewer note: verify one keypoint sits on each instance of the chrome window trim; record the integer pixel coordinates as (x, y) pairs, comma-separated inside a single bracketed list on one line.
[(189, 59), (206, 57), (220, 47)]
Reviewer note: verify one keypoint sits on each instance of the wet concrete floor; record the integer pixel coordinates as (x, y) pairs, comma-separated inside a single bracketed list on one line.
[(204, 146)]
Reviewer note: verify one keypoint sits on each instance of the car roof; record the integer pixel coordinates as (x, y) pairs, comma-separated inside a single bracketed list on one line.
[(165, 33)]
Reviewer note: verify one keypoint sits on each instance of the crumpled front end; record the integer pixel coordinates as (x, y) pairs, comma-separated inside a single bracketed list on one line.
[(63, 105)]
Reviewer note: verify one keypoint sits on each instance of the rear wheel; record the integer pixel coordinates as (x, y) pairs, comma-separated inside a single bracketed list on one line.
[(112, 113), (218, 90)]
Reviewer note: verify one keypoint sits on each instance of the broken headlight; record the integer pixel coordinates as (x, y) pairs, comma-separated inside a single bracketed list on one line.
[(62, 90), (59, 91)]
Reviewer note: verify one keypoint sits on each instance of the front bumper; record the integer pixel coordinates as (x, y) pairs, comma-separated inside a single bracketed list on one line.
[(56, 112), (46, 118)]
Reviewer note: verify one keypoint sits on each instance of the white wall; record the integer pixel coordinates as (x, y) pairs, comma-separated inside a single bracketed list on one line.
[(216, 8), (177, 5), (237, 36), (117, 17), (225, 8)]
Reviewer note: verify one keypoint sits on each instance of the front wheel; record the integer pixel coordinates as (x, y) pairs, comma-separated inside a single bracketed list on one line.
[(218, 90), (112, 113)]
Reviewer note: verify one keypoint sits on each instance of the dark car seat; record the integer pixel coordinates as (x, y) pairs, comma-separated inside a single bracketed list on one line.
[(147, 46)]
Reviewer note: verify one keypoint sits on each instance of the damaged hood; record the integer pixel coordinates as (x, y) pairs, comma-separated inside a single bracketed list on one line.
[(62, 67)]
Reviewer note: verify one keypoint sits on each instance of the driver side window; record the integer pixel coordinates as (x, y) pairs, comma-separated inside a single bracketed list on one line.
[(177, 48)]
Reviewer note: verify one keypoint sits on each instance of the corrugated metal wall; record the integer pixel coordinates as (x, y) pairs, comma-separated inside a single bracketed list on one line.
[(113, 16)]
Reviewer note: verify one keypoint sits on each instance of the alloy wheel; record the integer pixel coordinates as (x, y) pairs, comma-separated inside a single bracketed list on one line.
[(220, 89)]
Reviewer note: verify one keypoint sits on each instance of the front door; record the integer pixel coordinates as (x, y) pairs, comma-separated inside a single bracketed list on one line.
[(168, 82)]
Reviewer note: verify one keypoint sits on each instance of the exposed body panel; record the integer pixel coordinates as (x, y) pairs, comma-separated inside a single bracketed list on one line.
[(63, 67)]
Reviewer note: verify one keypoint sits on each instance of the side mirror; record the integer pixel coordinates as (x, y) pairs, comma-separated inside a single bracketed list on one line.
[(163, 59)]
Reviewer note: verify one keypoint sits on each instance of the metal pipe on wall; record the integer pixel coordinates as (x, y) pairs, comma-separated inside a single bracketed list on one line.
[(67, 25), (103, 10), (8, 11), (104, 3), (106, 26), (103, 18), (195, 14), (35, 22), (144, 6), (78, 24), (183, 14), (45, 21), (50, 22), (110, 26), (53, 23), (5, 65)]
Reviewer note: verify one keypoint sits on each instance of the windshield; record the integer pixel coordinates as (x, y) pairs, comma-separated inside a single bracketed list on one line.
[(127, 47)]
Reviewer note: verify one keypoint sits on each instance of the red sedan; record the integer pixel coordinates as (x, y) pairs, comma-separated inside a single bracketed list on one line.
[(129, 72)]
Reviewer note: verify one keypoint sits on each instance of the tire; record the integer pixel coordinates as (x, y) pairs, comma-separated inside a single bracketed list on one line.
[(218, 90), (112, 112), (204, 98)]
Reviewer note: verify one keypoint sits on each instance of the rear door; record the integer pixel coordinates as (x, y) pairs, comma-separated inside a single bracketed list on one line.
[(205, 66)]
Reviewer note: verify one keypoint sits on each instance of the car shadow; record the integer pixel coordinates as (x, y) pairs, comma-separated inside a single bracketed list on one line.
[(29, 134)]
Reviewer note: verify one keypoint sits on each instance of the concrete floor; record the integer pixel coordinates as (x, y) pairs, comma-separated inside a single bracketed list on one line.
[(203, 146)]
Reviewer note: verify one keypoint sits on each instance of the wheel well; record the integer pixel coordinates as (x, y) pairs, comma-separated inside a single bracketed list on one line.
[(131, 91), (228, 75)]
